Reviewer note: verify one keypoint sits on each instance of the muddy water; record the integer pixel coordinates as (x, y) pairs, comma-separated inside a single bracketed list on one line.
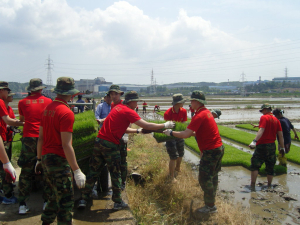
[(275, 205)]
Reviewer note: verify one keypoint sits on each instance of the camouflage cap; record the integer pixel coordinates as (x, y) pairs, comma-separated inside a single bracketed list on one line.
[(65, 86), (131, 96), (265, 106), (198, 96), (35, 84), (217, 112), (115, 88), (4, 85), (11, 94), (178, 98)]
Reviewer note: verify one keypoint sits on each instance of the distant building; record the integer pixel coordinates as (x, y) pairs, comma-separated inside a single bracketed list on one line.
[(287, 79), (224, 88), (96, 85), (132, 87)]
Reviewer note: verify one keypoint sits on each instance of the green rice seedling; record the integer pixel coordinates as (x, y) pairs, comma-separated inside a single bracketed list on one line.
[(236, 135), (160, 137), (249, 107), (246, 138), (192, 144), (247, 127)]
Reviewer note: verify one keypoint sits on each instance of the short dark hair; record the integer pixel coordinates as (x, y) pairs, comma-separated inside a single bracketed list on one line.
[(79, 96), (278, 112)]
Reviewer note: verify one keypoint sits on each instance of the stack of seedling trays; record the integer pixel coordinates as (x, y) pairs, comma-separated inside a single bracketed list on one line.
[(84, 134), (161, 137)]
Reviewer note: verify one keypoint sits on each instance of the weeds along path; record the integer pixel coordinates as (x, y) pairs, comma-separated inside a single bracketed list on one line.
[(158, 201)]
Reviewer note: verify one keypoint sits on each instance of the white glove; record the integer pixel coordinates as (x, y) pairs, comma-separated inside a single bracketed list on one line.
[(125, 138), (167, 132), (169, 124), (9, 169), (38, 167), (79, 178), (252, 144), (139, 130)]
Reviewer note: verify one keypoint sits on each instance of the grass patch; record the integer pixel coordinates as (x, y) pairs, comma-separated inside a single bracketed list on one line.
[(161, 202), (242, 137), (247, 127)]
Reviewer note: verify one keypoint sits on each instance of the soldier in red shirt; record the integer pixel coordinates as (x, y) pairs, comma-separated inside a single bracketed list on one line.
[(264, 144), (144, 107), (30, 111), (6, 169), (175, 147), (107, 144), (7, 187), (56, 154), (203, 125)]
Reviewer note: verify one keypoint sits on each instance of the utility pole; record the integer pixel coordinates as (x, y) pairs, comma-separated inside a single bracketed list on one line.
[(243, 94), (286, 72), (49, 65), (152, 87)]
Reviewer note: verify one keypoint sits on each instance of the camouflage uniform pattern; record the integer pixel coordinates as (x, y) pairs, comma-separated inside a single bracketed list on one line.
[(27, 161), (123, 166), (175, 148), (109, 153), (210, 165), (264, 153), (60, 181), (4, 185)]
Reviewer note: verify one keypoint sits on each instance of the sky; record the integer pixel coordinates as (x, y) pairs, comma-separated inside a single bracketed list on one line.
[(123, 41)]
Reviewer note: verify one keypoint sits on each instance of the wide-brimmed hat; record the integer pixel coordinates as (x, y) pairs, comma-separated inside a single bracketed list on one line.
[(115, 88), (65, 86), (265, 106), (11, 94), (198, 96), (35, 84), (131, 96), (178, 98), (4, 85), (217, 112)]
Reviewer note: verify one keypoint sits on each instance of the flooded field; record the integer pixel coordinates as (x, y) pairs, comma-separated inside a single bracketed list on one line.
[(277, 205)]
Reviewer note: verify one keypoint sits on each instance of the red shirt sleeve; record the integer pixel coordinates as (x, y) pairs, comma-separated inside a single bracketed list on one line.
[(3, 109), (262, 122), (132, 116), (195, 123), (66, 122), (185, 115), (167, 115)]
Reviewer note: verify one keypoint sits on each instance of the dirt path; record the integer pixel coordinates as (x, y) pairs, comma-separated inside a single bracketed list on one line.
[(99, 211)]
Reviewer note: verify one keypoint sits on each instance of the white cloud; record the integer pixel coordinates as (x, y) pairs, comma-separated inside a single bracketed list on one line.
[(121, 33)]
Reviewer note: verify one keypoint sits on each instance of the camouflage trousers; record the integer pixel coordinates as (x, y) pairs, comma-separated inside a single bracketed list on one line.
[(27, 161), (210, 165), (123, 165), (264, 153), (59, 178), (175, 148), (105, 152), (4, 185)]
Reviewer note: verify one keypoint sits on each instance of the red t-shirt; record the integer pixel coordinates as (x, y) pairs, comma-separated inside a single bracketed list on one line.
[(271, 125), (31, 108), (117, 122), (181, 116), (207, 132), (3, 112), (192, 110), (144, 104), (112, 105), (9, 132), (56, 118)]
